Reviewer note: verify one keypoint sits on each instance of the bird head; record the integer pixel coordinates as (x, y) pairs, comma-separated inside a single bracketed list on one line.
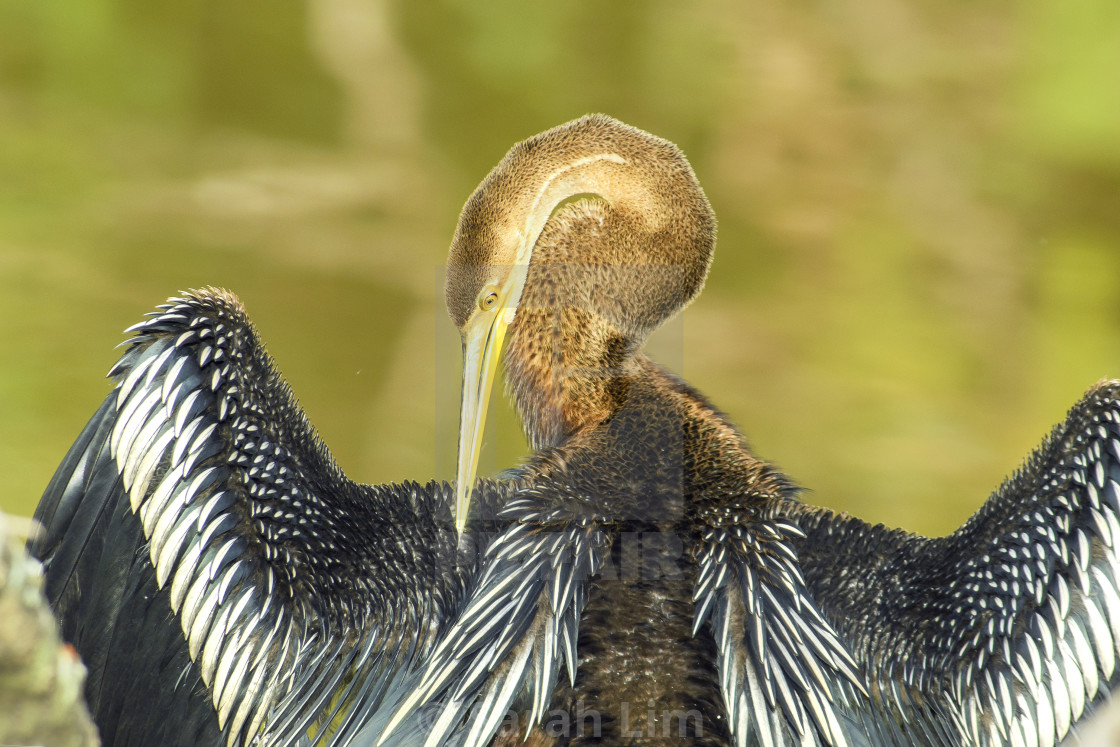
[(576, 246)]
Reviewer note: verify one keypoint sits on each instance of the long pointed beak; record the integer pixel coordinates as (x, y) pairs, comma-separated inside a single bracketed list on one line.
[(482, 346)]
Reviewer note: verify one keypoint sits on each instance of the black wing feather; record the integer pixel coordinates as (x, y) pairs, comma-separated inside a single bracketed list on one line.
[(785, 674), (88, 579), (210, 561), (519, 621), (1006, 631)]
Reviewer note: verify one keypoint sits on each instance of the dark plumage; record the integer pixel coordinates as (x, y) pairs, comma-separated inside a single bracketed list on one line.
[(199, 493), (203, 548)]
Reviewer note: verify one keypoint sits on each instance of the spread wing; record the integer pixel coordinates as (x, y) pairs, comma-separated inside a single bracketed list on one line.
[(785, 675), (506, 645), (217, 572), (1006, 631)]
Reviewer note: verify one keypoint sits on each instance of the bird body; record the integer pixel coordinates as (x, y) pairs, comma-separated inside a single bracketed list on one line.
[(644, 578)]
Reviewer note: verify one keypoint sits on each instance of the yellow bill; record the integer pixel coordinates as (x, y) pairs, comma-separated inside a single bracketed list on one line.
[(482, 346)]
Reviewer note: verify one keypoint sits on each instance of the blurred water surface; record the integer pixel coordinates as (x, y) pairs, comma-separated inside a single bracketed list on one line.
[(918, 269)]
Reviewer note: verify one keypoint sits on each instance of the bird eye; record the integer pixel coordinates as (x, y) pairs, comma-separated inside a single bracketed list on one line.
[(488, 298)]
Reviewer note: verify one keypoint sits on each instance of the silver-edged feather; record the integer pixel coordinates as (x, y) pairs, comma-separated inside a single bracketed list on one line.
[(222, 503), (784, 670), (520, 621), (1006, 631)]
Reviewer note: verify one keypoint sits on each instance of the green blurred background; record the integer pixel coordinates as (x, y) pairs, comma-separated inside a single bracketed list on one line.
[(918, 269)]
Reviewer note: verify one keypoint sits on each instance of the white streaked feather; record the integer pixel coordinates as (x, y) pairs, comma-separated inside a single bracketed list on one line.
[(253, 694), (197, 583), (134, 375), (186, 337), (136, 407), (1045, 719), (1059, 606), (792, 707), (234, 691), (441, 727), (237, 638), (267, 687), (233, 575), (1001, 697), (1059, 698), (198, 619), (183, 439), (172, 380), (1015, 734), (172, 479), (491, 622), (1087, 663), (159, 519), (1045, 636), (139, 448), (168, 540), (148, 408), (156, 452), (763, 726), (568, 642), (225, 553), (199, 447), (215, 641), (1030, 666), (546, 672), (531, 581), (187, 410), (831, 726), (182, 582), (1113, 522), (482, 606), (269, 635), (993, 737), (737, 718), (164, 440), (185, 493), (418, 696), (1100, 526), (223, 682), (188, 569), (481, 665), (492, 709), (1075, 686), (1103, 643), (158, 366), (288, 645), (200, 482), (971, 721), (218, 501)]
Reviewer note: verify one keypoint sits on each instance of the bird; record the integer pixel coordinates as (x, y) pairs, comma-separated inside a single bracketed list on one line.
[(208, 559)]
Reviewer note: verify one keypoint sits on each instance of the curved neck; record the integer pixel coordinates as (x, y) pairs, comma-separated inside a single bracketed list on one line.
[(567, 371)]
